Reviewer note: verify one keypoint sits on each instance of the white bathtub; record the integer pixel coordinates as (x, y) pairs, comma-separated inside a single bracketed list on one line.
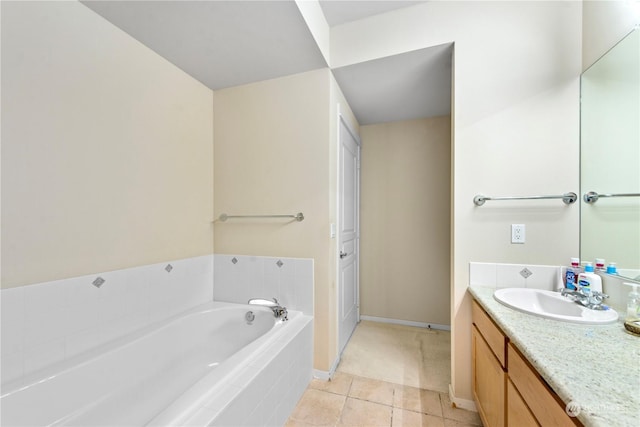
[(206, 366)]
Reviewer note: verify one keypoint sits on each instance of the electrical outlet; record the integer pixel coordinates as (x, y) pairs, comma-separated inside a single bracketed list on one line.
[(517, 233)]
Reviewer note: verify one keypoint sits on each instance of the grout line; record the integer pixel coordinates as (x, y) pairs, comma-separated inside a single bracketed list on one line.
[(393, 407), (346, 396), (350, 385)]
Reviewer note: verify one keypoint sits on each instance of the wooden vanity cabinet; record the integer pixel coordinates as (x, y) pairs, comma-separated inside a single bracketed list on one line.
[(507, 390), (489, 369), (518, 413), (542, 401)]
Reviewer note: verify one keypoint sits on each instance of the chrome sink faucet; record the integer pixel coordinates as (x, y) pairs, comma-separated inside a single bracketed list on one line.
[(278, 311), (586, 297)]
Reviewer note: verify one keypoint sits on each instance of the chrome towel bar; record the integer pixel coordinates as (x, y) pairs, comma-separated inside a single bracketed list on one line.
[(592, 197), (567, 198), (298, 217)]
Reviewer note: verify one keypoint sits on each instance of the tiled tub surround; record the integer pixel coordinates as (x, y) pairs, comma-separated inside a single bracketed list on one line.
[(197, 368), (56, 325), (238, 278), (595, 367), (47, 323)]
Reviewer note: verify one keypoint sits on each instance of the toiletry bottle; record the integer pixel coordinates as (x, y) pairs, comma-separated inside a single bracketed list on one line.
[(633, 302), (571, 274), (611, 268), (588, 280), (599, 264)]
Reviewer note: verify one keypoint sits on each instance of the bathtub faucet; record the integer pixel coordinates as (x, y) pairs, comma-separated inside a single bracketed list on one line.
[(278, 311)]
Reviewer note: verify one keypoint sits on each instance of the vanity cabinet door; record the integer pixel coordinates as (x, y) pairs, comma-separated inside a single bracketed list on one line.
[(544, 404), (489, 382), (518, 413)]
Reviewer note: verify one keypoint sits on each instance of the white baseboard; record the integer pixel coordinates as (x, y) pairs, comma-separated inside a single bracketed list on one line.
[(407, 323), (326, 375), (321, 375), (469, 405)]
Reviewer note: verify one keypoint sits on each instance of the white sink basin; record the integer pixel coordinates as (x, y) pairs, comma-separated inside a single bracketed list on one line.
[(553, 306)]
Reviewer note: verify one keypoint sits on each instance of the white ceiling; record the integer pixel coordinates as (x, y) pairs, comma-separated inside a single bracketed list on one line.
[(408, 86), (342, 11), (230, 43), (220, 43)]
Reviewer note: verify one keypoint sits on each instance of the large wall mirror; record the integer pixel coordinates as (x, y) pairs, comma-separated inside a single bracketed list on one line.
[(610, 158)]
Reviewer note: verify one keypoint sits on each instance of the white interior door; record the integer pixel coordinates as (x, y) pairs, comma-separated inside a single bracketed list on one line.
[(348, 234)]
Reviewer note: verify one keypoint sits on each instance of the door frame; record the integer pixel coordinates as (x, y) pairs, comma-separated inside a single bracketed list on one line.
[(341, 119)]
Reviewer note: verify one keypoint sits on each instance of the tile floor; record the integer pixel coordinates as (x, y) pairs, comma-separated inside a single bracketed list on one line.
[(390, 375), (399, 354), (349, 400)]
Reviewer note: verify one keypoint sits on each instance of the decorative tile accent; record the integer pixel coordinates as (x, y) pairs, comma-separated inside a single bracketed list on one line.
[(98, 282), (279, 263), (234, 260), (525, 272), (168, 268)]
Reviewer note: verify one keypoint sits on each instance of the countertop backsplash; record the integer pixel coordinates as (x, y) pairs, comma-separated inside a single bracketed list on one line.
[(546, 277)]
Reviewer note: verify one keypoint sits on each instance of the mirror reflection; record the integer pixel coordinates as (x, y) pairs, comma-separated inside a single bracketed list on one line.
[(610, 158)]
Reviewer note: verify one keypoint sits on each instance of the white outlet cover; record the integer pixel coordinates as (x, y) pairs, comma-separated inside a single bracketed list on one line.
[(517, 233)]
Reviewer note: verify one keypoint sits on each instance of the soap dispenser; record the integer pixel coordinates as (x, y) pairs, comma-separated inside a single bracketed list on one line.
[(633, 302), (588, 280)]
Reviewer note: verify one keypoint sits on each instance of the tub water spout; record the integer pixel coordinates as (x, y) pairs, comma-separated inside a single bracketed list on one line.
[(278, 311)]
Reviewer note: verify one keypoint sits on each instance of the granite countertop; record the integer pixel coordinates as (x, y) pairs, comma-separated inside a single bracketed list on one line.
[(594, 366)]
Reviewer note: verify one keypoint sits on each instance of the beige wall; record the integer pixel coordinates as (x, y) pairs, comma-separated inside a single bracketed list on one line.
[(272, 157), (106, 148), (405, 214), (275, 152), (515, 127), (605, 23)]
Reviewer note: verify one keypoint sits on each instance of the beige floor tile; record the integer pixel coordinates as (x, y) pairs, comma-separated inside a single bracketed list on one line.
[(399, 354), (404, 418), (456, 414), (417, 400), (372, 390), (454, 423), (402, 366), (339, 384), (360, 413), (318, 408), (295, 423)]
